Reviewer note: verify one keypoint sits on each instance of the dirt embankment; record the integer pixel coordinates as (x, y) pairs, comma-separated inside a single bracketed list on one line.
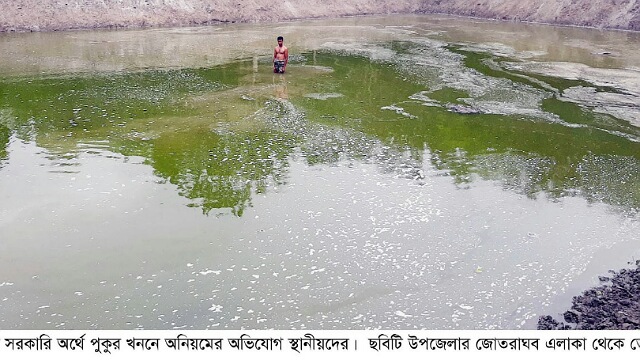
[(610, 14), (48, 15), (44, 15)]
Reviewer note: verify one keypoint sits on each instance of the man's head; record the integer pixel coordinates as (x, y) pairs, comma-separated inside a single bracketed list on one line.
[(280, 40)]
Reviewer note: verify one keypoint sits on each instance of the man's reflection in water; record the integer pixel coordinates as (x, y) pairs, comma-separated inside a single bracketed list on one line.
[(255, 69), (280, 86)]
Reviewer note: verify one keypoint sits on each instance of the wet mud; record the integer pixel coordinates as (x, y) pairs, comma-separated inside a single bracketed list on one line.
[(615, 305)]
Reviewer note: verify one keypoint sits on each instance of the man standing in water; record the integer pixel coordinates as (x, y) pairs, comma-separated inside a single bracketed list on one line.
[(280, 56)]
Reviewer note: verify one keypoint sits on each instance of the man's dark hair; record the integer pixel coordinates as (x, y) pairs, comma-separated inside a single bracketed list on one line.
[(280, 38)]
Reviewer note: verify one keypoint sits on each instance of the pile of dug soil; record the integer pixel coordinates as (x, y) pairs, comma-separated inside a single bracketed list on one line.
[(615, 305)]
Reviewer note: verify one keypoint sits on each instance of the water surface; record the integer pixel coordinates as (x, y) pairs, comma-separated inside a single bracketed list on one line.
[(406, 172)]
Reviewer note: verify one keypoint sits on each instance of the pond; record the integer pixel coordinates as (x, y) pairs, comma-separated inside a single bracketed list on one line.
[(405, 172)]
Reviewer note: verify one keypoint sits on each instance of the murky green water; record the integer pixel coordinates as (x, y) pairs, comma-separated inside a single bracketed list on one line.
[(406, 172)]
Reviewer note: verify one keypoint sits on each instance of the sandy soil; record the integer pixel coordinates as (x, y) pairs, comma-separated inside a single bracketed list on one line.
[(48, 15)]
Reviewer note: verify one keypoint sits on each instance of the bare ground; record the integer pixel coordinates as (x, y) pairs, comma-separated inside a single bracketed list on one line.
[(50, 15), (609, 14)]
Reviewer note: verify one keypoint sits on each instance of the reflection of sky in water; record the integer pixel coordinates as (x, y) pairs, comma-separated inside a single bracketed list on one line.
[(212, 205), (340, 246)]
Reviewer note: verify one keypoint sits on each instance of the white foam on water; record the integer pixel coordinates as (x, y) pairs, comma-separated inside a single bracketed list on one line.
[(323, 96)]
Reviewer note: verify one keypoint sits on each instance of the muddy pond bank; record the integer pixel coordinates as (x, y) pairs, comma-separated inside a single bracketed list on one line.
[(50, 15), (615, 305)]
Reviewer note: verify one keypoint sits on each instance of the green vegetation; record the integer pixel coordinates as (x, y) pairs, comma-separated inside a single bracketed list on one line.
[(5, 133), (220, 135)]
